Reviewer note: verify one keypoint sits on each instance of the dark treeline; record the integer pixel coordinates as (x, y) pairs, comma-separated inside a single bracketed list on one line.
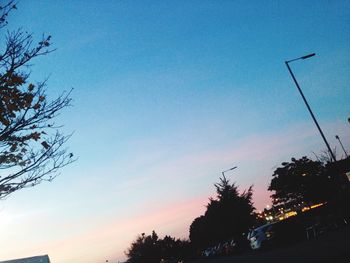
[(230, 214), (150, 248)]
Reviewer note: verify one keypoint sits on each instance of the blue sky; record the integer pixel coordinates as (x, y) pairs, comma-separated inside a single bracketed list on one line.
[(167, 94)]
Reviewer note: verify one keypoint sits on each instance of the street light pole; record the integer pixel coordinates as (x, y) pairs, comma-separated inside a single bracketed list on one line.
[(307, 104), (223, 172), (337, 137)]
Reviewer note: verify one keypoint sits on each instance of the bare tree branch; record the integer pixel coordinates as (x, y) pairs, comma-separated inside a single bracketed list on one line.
[(31, 144)]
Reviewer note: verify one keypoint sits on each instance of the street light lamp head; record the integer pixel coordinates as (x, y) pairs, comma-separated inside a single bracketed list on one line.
[(337, 137), (308, 56), (303, 57), (223, 172)]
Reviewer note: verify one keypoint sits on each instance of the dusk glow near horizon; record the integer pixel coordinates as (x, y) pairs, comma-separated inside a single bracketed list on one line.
[(167, 95)]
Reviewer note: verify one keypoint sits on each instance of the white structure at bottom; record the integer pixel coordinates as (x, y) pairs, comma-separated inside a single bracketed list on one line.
[(37, 259)]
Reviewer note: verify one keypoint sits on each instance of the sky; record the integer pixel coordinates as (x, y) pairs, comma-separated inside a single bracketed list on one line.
[(167, 95)]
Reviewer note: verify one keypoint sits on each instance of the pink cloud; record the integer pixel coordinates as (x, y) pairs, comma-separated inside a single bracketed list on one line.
[(110, 239)]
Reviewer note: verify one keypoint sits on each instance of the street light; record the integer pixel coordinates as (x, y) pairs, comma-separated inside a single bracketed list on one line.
[(337, 137), (307, 104), (223, 172)]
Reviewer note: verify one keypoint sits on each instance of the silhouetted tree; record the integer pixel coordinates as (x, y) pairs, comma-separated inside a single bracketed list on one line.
[(145, 249), (151, 249), (338, 172), (198, 232), (175, 249), (30, 142), (301, 180), (228, 215)]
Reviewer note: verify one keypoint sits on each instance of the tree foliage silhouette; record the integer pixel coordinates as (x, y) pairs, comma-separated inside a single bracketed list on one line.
[(151, 249), (31, 144), (227, 216), (301, 180)]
